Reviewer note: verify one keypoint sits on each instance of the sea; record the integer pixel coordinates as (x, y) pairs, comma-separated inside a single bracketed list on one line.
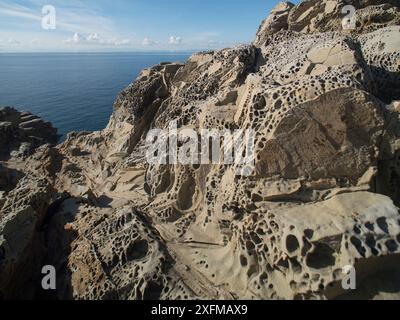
[(74, 91)]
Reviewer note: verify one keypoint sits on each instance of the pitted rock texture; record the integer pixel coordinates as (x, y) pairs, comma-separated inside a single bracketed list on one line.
[(21, 246), (324, 104)]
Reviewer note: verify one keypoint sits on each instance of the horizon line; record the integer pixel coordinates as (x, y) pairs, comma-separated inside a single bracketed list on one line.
[(108, 52)]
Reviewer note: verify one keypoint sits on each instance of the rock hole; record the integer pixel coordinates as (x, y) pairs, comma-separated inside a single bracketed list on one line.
[(321, 257), (153, 291), (243, 261), (382, 224), (391, 245), (358, 245), (137, 250), (309, 233), (292, 244)]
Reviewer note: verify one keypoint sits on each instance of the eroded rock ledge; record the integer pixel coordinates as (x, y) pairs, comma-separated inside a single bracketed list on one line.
[(324, 103)]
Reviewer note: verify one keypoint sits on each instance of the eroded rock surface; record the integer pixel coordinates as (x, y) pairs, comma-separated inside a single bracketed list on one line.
[(324, 103), (22, 132)]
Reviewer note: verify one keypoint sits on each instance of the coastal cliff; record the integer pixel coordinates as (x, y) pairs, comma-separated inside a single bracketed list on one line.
[(323, 100)]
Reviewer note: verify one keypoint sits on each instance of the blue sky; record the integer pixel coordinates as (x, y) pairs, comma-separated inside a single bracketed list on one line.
[(126, 25)]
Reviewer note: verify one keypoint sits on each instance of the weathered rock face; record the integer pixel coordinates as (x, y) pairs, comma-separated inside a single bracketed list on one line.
[(21, 251), (276, 21), (315, 16), (323, 103), (22, 132)]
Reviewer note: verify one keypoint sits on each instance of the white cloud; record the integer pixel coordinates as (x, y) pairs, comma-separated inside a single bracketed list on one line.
[(76, 39), (148, 42), (175, 40), (123, 42), (93, 37), (13, 42), (84, 25), (96, 39)]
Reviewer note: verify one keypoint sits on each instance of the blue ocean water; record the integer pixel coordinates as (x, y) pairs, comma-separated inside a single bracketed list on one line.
[(74, 91)]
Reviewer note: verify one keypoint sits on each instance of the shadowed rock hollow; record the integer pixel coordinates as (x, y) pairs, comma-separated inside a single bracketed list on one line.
[(324, 104)]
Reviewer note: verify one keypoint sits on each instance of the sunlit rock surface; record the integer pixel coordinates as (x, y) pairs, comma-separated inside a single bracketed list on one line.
[(323, 101)]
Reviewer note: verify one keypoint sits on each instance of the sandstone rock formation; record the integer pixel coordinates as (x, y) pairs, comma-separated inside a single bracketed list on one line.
[(22, 132), (324, 104)]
